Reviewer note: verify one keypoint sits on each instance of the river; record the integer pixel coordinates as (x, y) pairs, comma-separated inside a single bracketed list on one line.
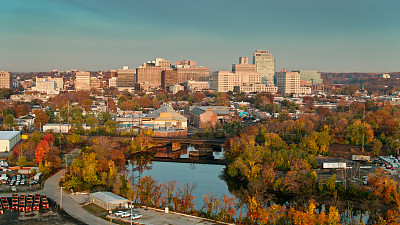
[(206, 177)]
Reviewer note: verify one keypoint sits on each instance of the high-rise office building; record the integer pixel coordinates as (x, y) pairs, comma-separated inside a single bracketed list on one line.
[(59, 81), (82, 81), (126, 77), (5, 79), (265, 65), (289, 83), (242, 73), (243, 66), (311, 76)]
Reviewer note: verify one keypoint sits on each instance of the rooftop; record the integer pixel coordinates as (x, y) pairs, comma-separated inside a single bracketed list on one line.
[(8, 135), (108, 197), (166, 112)]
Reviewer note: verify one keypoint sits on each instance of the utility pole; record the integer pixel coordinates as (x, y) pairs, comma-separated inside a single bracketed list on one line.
[(131, 205), (61, 196), (68, 118), (362, 148)]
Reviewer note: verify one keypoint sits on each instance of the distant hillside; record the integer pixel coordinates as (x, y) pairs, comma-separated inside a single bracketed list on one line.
[(357, 78)]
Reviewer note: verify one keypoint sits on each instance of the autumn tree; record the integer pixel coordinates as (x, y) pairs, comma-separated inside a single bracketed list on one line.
[(41, 118), (316, 143), (357, 131), (112, 106), (87, 104), (41, 150), (198, 96)]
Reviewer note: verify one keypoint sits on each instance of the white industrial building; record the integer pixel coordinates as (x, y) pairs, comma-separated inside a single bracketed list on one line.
[(107, 200), (8, 139)]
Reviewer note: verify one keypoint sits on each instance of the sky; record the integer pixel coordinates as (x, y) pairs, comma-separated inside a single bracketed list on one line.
[(327, 35)]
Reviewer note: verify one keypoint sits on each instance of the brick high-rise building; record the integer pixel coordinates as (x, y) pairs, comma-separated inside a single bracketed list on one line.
[(150, 72), (82, 81), (5, 79), (168, 77), (265, 65), (186, 63), (187, 70)]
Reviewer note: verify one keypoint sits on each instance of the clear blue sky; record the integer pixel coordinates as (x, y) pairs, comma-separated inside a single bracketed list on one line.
[(328, 35)]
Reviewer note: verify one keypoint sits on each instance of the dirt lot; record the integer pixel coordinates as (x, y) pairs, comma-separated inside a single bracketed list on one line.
[(50, 216), (346, 151)]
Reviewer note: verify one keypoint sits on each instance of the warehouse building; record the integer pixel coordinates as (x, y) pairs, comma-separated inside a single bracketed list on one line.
[(108, 200), (8, 139)]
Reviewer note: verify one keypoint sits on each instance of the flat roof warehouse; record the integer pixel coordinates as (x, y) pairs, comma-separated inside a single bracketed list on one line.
[(8, 135)]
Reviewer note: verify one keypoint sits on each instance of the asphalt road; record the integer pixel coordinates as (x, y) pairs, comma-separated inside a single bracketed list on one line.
[(52, 190)]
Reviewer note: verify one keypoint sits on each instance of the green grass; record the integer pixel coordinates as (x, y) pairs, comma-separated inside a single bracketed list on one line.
[(95, 209)]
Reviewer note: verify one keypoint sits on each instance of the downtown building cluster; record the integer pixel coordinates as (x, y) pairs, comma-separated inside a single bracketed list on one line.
[(161, 74)]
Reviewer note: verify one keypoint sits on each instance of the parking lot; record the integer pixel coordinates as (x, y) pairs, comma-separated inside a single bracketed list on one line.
[(17, 183), (155, 217), (49, 216)]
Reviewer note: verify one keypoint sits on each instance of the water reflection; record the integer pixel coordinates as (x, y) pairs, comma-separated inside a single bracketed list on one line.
[(190, 152), (213, 179), (207, 177)]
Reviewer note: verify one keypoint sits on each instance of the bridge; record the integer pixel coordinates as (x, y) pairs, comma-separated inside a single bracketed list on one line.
[(217, 141)]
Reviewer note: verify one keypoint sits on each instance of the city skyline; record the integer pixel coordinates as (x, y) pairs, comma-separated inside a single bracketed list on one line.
[(337, 36)]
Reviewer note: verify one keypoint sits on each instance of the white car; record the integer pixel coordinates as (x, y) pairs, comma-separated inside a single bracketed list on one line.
[(119, 213), (136, 216), (125, 214)]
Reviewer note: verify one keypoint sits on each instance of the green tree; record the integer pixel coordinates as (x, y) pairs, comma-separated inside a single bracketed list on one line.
[(9, 122), (330, 184), (376, 148), (22, 161), (77, 125), (103, 117), (89, 170), (92, 122), (355, 131), (316, 143), (111, 127)]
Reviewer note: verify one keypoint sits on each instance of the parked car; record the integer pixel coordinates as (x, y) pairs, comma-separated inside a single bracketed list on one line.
[(119, 213), (136, 216), (125, 214), (33, 182)]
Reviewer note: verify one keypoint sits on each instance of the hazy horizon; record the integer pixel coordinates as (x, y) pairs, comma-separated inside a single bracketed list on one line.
[(93, 35)]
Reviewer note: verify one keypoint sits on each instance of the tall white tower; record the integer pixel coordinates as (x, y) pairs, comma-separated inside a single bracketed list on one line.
[(265, 65)]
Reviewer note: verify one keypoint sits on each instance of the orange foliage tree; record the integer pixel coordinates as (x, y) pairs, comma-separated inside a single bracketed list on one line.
[(41, 150)]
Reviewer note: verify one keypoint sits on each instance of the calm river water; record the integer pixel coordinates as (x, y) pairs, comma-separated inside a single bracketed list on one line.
[(206, 177)]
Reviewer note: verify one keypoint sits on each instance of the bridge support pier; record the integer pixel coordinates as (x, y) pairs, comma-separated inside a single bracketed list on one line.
[(176, 146)]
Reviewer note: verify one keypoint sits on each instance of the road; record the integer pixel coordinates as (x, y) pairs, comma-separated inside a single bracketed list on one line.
[(52, 190)]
